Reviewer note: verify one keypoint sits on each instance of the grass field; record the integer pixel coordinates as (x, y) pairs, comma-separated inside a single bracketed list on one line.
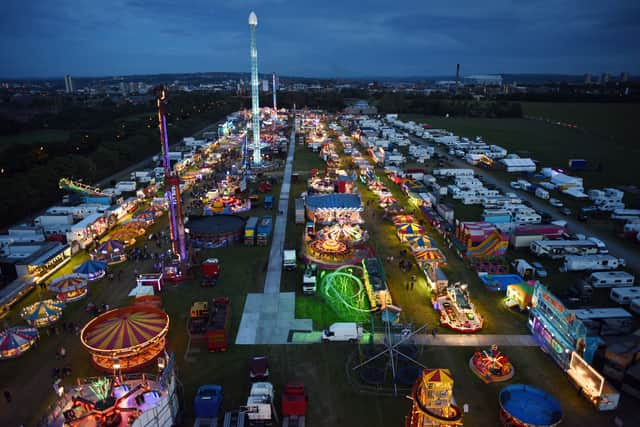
[(553, 145), (33, 137)]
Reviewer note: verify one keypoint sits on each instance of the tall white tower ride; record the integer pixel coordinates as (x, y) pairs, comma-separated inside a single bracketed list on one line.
[(255, 90)]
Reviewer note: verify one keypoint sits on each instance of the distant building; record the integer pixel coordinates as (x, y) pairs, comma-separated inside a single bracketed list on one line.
[(265, 85), (361, 107), (587, 79), (133, 87), (483, 80), (123, 88), (605, 79), (68, 84), (624, 77)]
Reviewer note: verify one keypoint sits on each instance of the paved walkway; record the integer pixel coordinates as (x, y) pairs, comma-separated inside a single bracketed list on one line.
[(270, 318), (443, 340)]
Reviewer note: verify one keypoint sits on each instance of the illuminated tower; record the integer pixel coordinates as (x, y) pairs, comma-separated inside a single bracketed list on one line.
[(171, 184), (255, 108), (275, 89)]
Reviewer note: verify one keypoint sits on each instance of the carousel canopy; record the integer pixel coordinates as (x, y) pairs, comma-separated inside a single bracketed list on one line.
[(67, 283), (111, 246), (334, 201), (42, 310), (15, 341), (420, 240), (125, 329), (409, 229), (437, 376), (90, 268)]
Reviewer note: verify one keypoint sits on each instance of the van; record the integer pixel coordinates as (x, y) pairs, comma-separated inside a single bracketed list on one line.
[(342, 331), (289, 259), (524, 269)]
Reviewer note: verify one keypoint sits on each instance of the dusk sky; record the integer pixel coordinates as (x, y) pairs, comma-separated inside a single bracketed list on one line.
[(326, 38)]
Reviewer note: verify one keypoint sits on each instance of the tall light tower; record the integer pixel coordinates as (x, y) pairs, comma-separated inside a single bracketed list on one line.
[(255, 107), (275, 90)]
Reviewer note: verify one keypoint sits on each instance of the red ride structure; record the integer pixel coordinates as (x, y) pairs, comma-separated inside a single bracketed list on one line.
[(172, 193)]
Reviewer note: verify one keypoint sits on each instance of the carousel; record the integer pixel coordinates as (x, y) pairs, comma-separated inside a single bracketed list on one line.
[(491, 365), (386, 201), (322, 185), (228, 205), (329, 250), (42, 313), (129, 337), (111, 252), (17, 340), (70, 287), (91, 270), (349, 234)]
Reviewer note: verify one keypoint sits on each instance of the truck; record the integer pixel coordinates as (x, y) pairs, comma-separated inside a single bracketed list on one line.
[(268, 201), (210, 271), (299, 206), (309, 279), (218, 324), (263, 230), (250, 231), (542, 193), (294, 405), (198, 317), (289, 259), (206, 405), (524, 269), (260, 409), (342, 331), (591, 262), (557, 249)]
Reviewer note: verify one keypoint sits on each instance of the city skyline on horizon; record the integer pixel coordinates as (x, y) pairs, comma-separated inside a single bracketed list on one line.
[(136, 37)]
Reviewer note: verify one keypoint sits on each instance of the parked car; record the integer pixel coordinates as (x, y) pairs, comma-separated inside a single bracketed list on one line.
[(259, 368), (583, 215), (565, 211), (540, 270), (555, 202)]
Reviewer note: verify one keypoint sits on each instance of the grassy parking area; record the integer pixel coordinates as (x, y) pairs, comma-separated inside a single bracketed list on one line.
[(553, 145)]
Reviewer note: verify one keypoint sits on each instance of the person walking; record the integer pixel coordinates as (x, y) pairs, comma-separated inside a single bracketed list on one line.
[(434, 332)]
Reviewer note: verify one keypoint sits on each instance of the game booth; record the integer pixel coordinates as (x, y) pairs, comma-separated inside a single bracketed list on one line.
[(126, 338), (42, 313), (15, 341), (69, 288)]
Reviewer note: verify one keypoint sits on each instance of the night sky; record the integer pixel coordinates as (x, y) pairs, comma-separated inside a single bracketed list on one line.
[(321, 38)]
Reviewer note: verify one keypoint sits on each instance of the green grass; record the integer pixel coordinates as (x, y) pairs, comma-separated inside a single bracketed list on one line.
[(35, 136), (552, 145), (305, 160)]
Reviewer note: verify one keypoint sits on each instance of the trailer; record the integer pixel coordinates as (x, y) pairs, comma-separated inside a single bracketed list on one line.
[(623, 296), (605, 321), (268, 201), (542, 193), (210, 271), (218, 324), (263, 230), (299, 207), (609, 279), (557, 249), (294, 405), (250, 231), (591, 262)]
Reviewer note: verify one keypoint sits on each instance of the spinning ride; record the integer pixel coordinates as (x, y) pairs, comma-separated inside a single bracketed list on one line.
[(131, 336), (91, 270), (42, 313), (111, 252), (329, 250), (70, 287), (523, 405), (15, 341), (350, 234), (491, 365)]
